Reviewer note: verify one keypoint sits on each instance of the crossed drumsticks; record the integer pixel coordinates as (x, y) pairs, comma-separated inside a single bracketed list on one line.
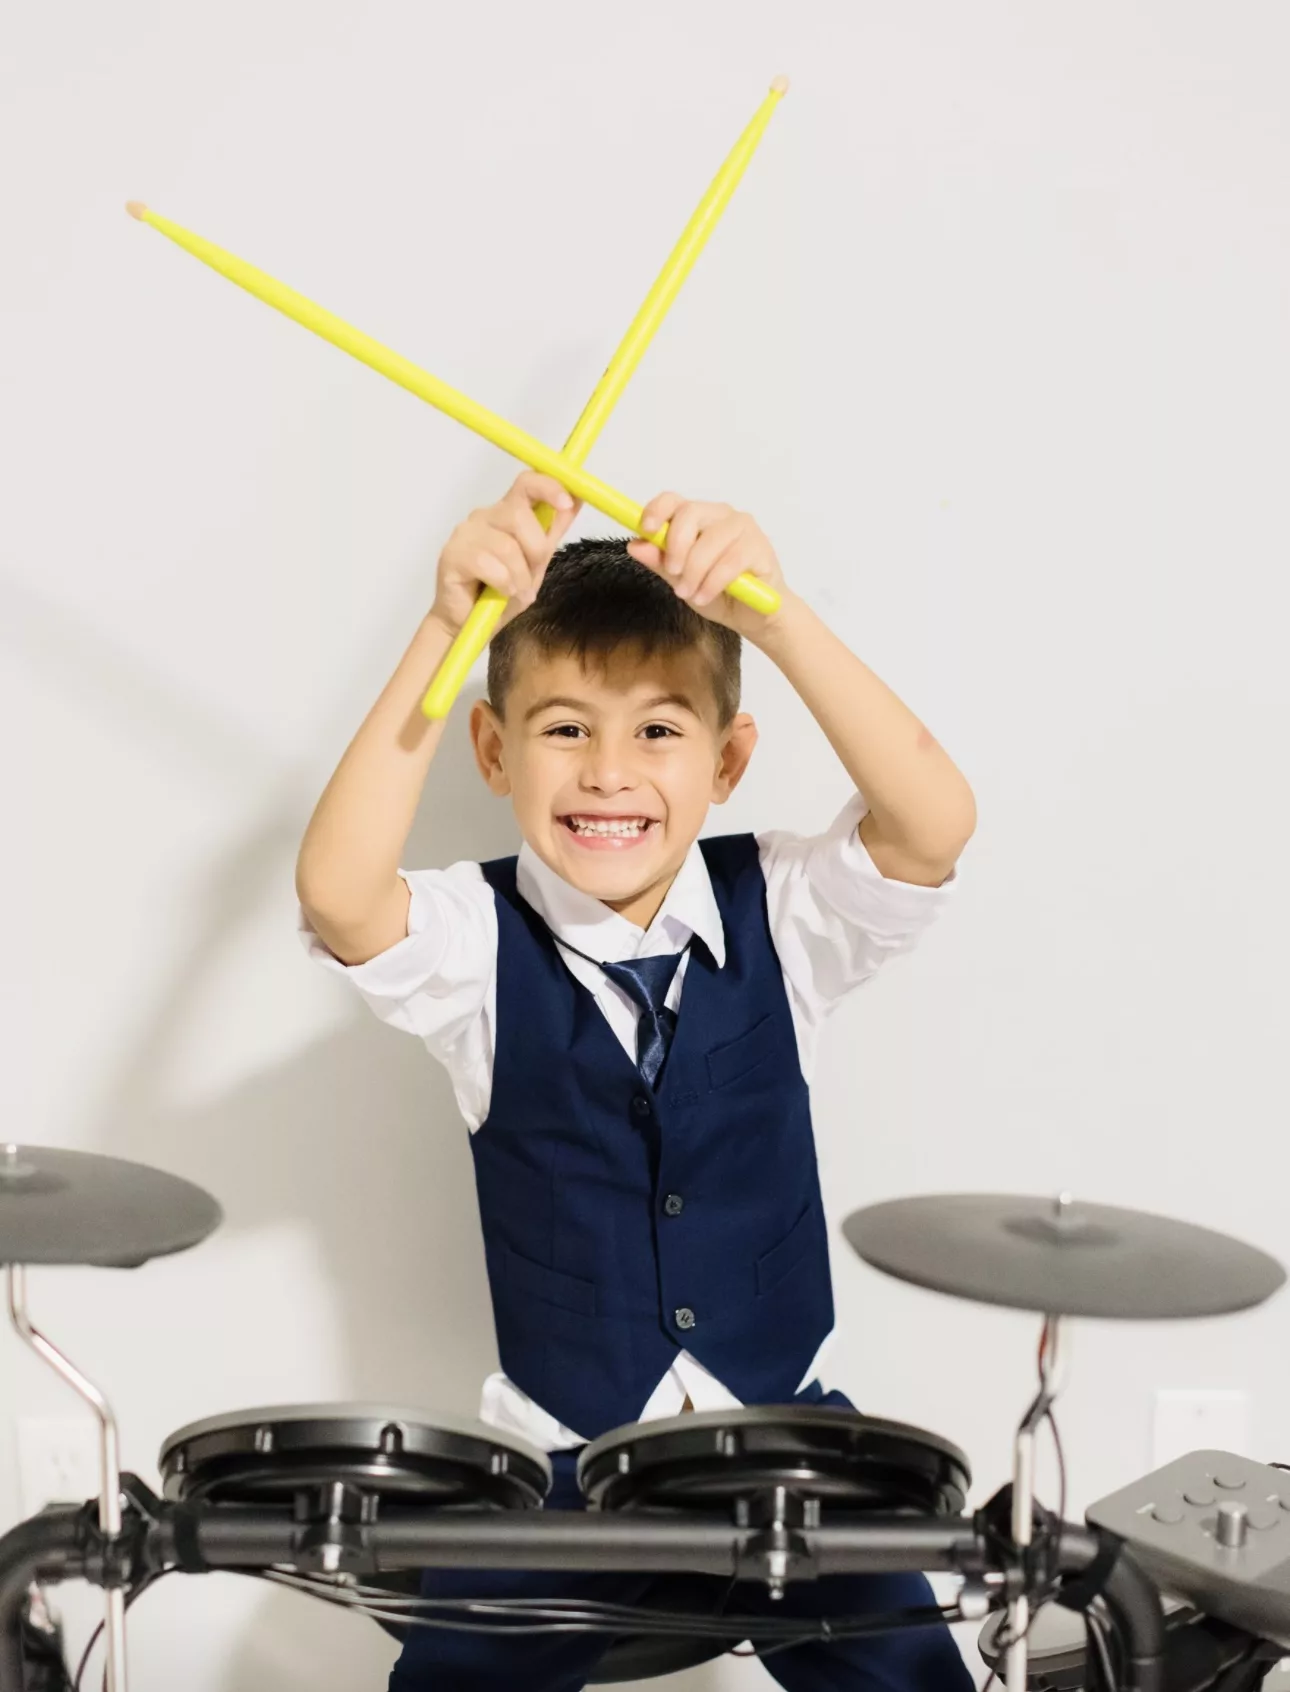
[(566, 466)]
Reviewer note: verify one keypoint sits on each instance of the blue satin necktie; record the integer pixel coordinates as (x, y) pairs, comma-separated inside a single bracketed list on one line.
[(646, 980)]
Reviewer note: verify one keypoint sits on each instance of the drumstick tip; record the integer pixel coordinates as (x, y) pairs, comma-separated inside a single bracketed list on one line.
[(136, 209), (780, 85)]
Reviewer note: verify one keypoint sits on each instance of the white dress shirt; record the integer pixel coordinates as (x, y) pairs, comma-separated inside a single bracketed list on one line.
[(834, 920)]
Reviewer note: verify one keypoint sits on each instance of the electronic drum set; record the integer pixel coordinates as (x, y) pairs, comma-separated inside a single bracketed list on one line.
[(1178, 1583)]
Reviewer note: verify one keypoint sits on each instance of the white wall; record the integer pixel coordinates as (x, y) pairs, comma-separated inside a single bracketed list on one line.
[(993, 340)]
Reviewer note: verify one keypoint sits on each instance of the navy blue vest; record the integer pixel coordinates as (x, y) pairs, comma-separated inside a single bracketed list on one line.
[(620, 1226)]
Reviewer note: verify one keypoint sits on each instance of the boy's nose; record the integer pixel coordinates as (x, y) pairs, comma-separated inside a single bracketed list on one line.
[(606, 768)]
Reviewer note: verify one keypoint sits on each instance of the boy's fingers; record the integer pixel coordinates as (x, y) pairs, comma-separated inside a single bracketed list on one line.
[(682, 532), (494, 574), (561, 523), (534, 541), (713, 544), (518, 517), (719, 577), (659, 511), (692, 519), (646, 553), (520, 601), (534, 489), (504, 546), (711, 535)]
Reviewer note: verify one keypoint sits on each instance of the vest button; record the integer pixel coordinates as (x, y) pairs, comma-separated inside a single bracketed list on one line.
[(685, 1317), (640, 1105), (673, 1204)]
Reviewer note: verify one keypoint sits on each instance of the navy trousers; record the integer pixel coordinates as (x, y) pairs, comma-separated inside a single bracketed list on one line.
[(910, 1660)]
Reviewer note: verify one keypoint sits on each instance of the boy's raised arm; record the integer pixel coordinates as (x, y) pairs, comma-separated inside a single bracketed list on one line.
[(921, 812), (347, 875)]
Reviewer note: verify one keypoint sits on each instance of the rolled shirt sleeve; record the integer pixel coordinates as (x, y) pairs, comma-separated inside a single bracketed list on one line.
[(834, 917), (440, 981)]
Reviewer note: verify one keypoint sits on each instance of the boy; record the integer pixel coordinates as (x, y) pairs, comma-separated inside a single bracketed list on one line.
[(628, 1014)]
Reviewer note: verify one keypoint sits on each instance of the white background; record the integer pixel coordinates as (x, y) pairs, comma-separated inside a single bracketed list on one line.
[(993, 340)]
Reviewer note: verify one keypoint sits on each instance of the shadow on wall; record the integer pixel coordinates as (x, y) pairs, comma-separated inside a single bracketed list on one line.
[(357, 1136)]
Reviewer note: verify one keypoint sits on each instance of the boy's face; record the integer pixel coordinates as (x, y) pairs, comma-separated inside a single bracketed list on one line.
[(611, 772)]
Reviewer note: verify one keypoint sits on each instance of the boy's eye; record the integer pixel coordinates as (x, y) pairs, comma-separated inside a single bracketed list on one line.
[(566, 731), (657, 731)]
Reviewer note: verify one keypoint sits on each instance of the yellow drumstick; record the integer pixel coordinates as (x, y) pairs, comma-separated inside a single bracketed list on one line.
[(517, 442), (488, 608), (407, 375)]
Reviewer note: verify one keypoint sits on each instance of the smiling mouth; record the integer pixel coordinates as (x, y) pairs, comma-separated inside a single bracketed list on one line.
[(608, 831)]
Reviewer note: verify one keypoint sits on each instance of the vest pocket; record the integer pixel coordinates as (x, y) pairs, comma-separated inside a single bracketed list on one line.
[(727, 1063), (775, 1264), (552, 1286)]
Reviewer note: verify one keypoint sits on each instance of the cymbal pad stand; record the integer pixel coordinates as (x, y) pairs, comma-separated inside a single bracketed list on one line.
[(109, 1463), (1052, 1370)]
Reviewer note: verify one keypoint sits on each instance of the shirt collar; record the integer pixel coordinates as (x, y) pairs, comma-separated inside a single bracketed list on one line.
[(586, 924)]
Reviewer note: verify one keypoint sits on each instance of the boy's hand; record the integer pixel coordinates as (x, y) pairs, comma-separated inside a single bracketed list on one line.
[(707, 546), (503, 546)]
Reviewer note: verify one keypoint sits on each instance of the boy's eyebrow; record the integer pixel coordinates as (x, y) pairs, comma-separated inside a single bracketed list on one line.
[(553, 700), (571, 704), (681, 699)]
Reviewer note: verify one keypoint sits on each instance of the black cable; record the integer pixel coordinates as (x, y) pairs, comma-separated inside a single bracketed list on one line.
[(513, 1610), (828, 1633), (1237, 1677), (776, 1636), (808, 1633), (717, 1622), (805, 1633), (144, 1584), (359, 1596), (1097, 1630), (529, 1616)]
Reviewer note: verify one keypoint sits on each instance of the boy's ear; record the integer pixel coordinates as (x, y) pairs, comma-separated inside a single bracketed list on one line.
[(486, 738), (736, 750)]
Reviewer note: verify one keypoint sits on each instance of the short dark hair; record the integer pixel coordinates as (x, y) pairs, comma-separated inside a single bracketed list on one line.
[(596, 599)]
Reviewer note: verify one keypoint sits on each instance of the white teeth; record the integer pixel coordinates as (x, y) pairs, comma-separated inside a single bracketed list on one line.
[(627, 829)]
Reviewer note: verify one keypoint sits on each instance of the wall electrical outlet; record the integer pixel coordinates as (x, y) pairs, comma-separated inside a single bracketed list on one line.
[(58, 1461), (1201, 1420)]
